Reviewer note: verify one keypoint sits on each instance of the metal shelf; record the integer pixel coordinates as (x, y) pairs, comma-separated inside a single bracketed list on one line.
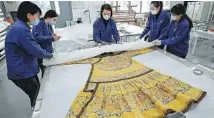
[(2, 41)]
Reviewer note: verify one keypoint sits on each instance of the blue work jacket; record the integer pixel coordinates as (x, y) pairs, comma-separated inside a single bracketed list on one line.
[(102, 32), (156, 25), (22, 51), (176, 36), (43, 33)]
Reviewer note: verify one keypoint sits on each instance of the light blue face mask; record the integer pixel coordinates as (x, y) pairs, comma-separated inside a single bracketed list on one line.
[(173, 17), (35, 22), (52, 22)]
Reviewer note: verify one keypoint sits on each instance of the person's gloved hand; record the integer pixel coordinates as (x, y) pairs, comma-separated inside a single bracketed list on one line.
[(99, 44), (156, 42), (53, 55)]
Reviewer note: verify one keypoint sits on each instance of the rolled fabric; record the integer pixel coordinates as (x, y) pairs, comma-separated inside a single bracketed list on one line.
[(63, 57)]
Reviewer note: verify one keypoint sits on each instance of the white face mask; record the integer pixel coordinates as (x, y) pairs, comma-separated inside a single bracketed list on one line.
[(173, 17), (35, 22), (106, 17), (154, 12), (51, 22)]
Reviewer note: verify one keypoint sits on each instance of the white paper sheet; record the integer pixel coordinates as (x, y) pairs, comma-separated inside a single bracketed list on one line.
[(65, 82)]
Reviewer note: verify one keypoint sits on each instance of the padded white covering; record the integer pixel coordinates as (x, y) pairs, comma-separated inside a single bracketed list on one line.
[(69, 45), (3, 25), (2, 45), (63, 57)]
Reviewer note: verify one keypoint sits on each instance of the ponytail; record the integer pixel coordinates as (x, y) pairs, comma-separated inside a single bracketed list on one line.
[(189, 20), (180, 9)]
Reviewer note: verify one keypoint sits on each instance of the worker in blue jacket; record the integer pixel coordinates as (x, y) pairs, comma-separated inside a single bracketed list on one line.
[(104, 27), (177, 34), (44, 35), (22, 51), (158, 19)]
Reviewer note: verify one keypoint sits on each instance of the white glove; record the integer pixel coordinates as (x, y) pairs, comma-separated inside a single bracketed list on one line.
[(156, 42), (47, 60), (99, 44)]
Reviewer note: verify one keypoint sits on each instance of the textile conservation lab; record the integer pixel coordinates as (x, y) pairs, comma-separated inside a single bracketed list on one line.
[(106, 59)]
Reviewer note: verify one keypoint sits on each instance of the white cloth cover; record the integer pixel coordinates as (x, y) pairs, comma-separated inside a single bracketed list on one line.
[(63, 57), (2, 45)]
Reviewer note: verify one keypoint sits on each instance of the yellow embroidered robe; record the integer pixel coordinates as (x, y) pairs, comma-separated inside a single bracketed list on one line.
[(120, 87)]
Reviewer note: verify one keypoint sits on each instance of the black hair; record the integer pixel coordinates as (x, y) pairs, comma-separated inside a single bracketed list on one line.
[(105, 7), (180, 9), (157, 4), (50, 14), (25, 8), (39, 10)]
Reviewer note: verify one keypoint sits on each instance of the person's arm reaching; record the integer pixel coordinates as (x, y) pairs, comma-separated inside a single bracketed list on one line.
[(96, 32), (37, 33), (164, 32), (165, 23), (180, 35), (31, 46)]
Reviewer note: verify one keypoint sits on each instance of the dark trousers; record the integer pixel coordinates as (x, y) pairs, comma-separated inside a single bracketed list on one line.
[(40, 63), (30, 86)]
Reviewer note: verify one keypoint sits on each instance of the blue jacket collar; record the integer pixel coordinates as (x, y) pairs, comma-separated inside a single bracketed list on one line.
[(161, 16), (43, 22), (24, 23), (103, 25)]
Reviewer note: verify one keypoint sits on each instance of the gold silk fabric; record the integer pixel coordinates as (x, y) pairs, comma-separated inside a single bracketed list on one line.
[(120, 87)]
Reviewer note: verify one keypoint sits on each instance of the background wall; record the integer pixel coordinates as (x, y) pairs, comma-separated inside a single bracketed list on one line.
[(65, 13), (87, 10)]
